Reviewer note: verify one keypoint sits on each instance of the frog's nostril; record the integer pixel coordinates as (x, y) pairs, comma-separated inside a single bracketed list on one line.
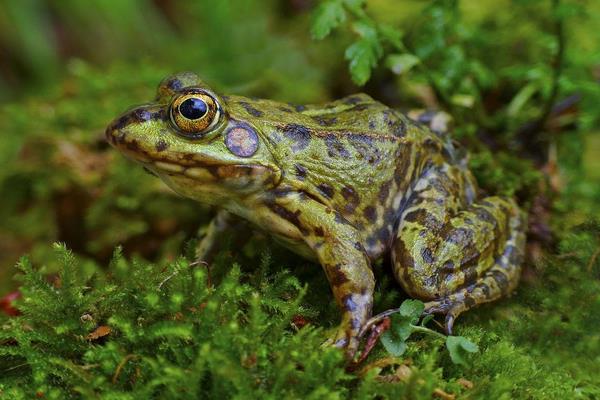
[(141, 115)]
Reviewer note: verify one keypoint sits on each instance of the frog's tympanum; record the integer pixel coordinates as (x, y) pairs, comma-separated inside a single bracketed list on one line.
[(343, 184)]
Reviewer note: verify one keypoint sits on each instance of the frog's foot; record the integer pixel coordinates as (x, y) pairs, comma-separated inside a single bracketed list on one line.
[(499, 280), (451, 308), (346, 339)]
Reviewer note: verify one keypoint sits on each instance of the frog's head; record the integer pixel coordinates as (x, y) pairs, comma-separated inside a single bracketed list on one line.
[(188, 138)]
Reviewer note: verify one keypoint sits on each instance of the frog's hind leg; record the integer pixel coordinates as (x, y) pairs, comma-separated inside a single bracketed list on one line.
[(455, 253), (501, 279)]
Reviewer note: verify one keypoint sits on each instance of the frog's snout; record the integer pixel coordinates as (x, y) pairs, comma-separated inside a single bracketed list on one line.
[(116, 131)]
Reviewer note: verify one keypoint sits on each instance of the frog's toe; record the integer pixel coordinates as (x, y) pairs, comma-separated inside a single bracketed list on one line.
[(344, 340), (442, 306), (447, 308), (449, 323)]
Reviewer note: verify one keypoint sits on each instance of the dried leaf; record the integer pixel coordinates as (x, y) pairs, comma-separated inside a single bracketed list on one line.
[(99, 332)]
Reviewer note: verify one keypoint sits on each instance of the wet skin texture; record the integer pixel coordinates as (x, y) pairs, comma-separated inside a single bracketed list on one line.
[(342, 183)]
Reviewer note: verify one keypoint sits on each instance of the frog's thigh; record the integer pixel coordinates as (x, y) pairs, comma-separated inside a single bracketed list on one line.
[(457, 258)]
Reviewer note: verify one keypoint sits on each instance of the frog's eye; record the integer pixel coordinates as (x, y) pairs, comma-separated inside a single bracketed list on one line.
[(195, 114)]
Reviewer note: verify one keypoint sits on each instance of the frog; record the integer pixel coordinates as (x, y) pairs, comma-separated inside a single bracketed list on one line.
[(343, 184)]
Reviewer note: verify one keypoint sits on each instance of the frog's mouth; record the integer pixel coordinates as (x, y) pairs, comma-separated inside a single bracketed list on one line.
[(199, 167)]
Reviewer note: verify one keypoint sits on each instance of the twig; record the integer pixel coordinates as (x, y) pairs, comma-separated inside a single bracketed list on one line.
[(121, 365), (160, 285)]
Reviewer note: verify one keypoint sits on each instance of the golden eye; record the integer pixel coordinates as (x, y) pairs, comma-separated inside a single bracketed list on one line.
[(194, 114)]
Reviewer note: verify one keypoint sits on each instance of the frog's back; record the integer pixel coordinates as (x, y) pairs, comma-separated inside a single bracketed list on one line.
[(355, 155)]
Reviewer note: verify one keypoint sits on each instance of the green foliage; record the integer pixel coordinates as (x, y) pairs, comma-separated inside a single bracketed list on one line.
[(458, 346), (164, 325), (404, 324)]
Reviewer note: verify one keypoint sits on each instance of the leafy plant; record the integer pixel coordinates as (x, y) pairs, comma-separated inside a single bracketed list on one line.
[(405, 323)]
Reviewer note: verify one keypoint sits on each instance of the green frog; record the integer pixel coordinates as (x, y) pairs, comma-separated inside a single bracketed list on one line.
[(342, 184)]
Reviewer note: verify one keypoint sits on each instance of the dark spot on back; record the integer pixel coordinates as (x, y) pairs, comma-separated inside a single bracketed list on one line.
[(299, 134), (399, 128), (251, 110), (370, 213), (351, 197), (299, 107), (427, 255), (460, 236), (334, 147), (319, 231), (324, 121), (424, 218), (300, 171), (161, 145), (326, 190), (360, 107)]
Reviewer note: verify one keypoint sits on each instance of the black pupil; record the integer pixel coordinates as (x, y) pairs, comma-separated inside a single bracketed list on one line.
[(193, 108)]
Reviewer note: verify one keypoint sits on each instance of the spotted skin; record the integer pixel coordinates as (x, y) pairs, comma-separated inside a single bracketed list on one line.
[(343, 184)]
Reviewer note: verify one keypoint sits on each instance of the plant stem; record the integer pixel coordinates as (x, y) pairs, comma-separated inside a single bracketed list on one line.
[(422, 329)]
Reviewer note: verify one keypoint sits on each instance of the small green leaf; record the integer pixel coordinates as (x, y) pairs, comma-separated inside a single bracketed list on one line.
[(412, 309), (401, 63), (328, 16), (426, 319), (394, 345), (392, 35), (362, 59), (458, 346)]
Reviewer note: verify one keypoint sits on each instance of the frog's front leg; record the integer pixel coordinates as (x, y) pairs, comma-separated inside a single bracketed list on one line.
[(337, 245), (210, 237), (453, 252)]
